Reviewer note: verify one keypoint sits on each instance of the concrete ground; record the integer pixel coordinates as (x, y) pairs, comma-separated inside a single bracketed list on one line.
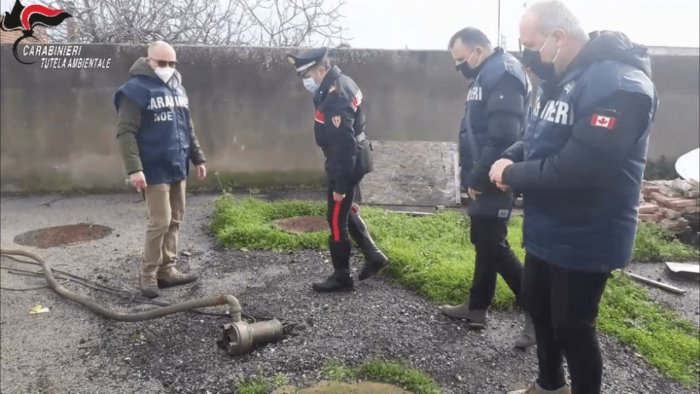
[(70, 350)]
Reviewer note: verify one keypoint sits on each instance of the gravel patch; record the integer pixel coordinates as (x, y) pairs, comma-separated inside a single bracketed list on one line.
[(687, 305), (70, 350)]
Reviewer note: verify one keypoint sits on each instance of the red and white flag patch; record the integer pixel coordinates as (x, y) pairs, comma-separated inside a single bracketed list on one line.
[(606, 122)]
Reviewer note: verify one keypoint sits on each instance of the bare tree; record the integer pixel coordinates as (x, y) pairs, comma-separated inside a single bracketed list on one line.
[(218, 22)]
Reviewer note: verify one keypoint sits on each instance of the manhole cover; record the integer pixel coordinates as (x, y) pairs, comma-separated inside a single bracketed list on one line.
[(62, 235), (302, 224)]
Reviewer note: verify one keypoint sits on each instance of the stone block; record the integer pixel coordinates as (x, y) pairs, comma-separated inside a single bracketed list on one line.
[(413, 173), (646, 208)]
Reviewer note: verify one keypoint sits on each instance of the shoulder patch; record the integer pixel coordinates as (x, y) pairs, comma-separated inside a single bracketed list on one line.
[(604, 118), (336, 120)]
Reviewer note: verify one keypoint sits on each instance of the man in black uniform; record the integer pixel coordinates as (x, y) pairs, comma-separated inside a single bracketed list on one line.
[(339, 129), (497, 104)]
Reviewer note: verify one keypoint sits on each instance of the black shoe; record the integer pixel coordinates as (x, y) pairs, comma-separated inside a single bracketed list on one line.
[(375, 260), (372, 267), (338, 281)]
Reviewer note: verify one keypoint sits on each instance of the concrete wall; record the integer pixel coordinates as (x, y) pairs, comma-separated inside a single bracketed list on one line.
[(252, 115)]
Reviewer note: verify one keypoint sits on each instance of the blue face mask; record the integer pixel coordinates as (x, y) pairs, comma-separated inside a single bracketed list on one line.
[(310, 84), (533, 60)]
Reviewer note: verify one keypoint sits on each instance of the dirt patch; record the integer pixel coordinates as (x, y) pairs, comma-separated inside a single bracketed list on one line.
[(62, 235), (302, 224), (344, 388)]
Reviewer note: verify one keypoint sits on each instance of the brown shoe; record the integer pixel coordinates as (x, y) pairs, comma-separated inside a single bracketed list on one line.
[(475, 319), (460, 311), (170, 276), (149, 285)]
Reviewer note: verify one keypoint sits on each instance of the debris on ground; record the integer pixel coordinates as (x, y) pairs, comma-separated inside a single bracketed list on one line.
[(655, 283), (37, 309), (672, 203), (684, 268)]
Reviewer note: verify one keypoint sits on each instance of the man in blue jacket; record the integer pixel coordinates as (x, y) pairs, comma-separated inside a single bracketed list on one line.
[(496, 107), (580, 168), (157, 141)]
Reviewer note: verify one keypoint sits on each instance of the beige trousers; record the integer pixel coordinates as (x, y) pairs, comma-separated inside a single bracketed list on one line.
[(166, 209)]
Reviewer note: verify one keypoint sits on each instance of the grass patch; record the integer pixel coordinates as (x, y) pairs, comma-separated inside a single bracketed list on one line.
[(664, 339), (433, 256), (261, 385), (245, 224), (379, 371), (655, 243)]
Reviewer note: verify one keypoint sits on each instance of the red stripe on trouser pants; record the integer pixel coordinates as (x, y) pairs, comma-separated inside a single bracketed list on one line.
[(336, 227)]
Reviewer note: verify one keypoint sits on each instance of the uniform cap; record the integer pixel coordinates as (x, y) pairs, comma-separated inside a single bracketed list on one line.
[(307, 59)]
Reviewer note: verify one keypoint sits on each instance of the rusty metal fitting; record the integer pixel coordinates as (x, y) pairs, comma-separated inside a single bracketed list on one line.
[(239, 337)]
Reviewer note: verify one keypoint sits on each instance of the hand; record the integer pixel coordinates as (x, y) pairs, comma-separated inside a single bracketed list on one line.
[(338, 196), (138, 180), (473, 193), (503, 187), (496, 172), (201, 172)]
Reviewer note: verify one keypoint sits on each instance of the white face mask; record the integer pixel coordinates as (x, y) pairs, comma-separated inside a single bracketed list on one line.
[(164, 73), (310, 84)]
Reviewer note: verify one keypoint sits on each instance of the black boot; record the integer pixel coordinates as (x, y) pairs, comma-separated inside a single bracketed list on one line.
[(340, 280), (375, 260)]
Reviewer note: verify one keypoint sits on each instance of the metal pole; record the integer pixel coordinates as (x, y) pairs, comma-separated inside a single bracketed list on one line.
[(499, 23)]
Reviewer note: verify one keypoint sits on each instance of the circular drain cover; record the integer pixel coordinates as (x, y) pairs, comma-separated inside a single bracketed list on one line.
[(302, 224), (62, 235)]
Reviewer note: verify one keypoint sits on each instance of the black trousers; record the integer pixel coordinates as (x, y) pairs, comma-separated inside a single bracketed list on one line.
[(493, 257), (564, 305), (338, 212)]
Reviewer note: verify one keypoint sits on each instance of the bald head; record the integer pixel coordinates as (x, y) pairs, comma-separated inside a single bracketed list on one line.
[(161, 52)]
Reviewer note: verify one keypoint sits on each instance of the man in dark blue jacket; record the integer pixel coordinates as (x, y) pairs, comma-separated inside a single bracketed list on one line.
[(580, 168), (497, 103), (157, 141), (339, 130)]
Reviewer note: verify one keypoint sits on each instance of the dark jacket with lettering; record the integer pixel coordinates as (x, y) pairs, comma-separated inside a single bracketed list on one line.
[(584, 153), (164, 135), (496, 108), (339, 124)]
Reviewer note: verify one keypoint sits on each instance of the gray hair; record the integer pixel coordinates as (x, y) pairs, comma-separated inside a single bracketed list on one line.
[(553, 15)]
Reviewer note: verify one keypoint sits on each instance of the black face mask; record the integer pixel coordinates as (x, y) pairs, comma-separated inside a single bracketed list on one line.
[(531, 59), (468, 72)]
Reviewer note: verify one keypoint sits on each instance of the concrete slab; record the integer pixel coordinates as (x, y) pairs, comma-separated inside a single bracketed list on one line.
[(415, 173)]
